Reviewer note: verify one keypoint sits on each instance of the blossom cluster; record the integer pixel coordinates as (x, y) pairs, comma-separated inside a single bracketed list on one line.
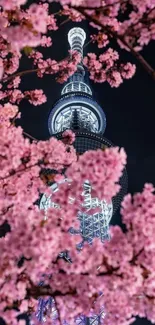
[(101, 39), (22, 28), (27, 27), (63, 69), (123, 268), (14, 96), (136, 24), (30, 24), (38, 242), (107, 68)]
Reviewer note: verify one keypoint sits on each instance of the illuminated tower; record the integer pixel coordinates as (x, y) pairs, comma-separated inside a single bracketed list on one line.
[(78, 110)]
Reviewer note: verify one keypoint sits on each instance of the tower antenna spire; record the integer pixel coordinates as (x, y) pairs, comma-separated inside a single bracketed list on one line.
[(76, 83), (76, 39)]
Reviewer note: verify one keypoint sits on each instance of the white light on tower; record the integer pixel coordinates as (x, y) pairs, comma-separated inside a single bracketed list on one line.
[(76, 39)]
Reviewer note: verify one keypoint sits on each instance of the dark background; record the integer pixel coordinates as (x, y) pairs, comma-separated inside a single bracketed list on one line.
[(129, 110)]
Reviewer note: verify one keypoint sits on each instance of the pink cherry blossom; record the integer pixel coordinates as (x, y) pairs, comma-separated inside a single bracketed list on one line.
[(15, 83), (69, 136), (107, 69), (20, 37), (1, 69), (10, 4), (36, 97), (123, 269), (73, 14), (7, 112), (46, 41), (38, 16), (51, 23), (101, 39)]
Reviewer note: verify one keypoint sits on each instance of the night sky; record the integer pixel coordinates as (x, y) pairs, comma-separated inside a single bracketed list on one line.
[(130, 110)]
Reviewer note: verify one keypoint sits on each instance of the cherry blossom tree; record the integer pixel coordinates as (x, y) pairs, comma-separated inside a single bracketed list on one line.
[(123, 269)]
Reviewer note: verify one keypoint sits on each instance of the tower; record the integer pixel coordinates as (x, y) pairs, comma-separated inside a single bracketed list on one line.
[(78, 110)]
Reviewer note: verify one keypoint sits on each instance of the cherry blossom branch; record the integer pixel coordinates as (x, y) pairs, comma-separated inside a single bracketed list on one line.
[(30, 136), (38, 291), (89, 42), (57, 13), (22, 73), (113, 34), (141, 20), (17, 172), (19, 74), (64, 22), (26, 168), (149, 297), (135, 257), (13, 120), (58, 312), (102, 7), (111, 270)]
